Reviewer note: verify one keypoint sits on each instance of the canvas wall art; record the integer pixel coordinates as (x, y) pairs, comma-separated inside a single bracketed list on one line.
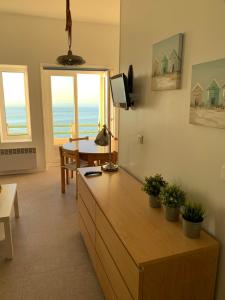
[(208, 94), (167, 63)]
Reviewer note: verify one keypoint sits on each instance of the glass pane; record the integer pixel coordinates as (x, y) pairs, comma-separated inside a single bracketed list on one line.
[(15, 103), (62, 88), (89, 96)]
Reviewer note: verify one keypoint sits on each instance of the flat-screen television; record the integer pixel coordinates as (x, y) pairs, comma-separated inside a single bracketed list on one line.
[(120, 90)]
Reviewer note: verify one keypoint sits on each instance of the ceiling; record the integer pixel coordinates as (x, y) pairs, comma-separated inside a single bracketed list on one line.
[(98, 11)]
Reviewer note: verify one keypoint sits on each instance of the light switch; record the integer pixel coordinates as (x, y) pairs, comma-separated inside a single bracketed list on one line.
[(223, 172), (140, 139)]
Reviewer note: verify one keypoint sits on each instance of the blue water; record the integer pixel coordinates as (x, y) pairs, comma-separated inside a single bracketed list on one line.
[(62, 116)]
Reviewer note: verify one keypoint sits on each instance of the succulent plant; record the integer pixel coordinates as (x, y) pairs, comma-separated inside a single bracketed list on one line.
[(154, 184), (172, 196)]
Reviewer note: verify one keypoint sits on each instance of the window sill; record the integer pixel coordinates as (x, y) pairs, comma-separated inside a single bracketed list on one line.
[(16, 141)]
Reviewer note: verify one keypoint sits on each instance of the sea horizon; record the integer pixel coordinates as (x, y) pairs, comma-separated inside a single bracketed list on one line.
[(63, 118)]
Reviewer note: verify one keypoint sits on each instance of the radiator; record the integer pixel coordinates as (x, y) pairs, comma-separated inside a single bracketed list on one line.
[(17, 159)]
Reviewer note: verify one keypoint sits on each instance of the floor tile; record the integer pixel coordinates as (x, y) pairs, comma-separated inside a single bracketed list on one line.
[(50, 260)]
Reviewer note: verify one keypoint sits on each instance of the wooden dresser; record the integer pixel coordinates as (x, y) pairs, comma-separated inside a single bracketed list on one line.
[(136, 253)]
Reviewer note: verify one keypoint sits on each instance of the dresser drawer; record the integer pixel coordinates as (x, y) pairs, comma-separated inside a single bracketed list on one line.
[(123, 260), (117, 282), (86, 218), (103, 279), (87, 241), (86, 197)]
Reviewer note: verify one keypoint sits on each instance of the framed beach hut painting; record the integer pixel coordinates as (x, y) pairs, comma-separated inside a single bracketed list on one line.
[(207, 106), (167, 63)]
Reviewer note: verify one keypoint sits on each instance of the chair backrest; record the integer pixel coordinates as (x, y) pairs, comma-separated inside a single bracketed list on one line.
[(66, 155), (78, 139)]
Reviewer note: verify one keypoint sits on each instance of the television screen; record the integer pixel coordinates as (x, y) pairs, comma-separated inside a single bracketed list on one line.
[(119, 90)]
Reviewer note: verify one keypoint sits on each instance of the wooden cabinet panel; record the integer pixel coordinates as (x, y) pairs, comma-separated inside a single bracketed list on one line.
[(186, 277), (103, 279), (86, 218), (123, 260), (87, 197), (87, 241), (111, 270)]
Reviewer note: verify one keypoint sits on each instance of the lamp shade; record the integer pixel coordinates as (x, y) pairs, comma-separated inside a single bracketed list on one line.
[(102, 139), (70, 59)]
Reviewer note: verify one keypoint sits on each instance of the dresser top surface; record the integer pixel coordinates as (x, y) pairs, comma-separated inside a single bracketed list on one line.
[(144, 231)]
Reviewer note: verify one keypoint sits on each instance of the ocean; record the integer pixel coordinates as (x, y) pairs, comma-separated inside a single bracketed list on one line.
[(62, 120)]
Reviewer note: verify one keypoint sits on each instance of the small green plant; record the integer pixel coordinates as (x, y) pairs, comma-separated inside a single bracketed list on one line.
[(172, 196), (193, 212), (154, 184)]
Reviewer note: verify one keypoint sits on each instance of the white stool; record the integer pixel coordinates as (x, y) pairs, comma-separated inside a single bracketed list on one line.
[(8, 198)]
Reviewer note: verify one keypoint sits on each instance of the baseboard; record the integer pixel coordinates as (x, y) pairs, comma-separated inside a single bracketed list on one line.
[(18, 172), (53, 164)]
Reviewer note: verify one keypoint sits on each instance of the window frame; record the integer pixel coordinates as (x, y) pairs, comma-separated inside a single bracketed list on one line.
[(47, 99), (51, 144), (4, 136)]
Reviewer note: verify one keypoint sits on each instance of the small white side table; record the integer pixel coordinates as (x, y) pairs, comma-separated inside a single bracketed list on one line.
[(8, 198)]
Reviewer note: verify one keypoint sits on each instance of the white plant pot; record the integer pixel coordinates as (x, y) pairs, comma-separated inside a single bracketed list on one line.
[(154, 202), (191, 229)]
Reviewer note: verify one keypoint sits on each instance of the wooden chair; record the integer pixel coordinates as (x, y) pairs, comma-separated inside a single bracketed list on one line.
[(69, 161), (78, 139), (82, 162)]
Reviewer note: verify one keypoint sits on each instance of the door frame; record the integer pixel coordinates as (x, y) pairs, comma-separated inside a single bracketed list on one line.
[(46, 70)]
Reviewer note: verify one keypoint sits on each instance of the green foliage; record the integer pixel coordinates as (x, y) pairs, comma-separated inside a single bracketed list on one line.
[(154, 184), (193, 212), (172, 196)]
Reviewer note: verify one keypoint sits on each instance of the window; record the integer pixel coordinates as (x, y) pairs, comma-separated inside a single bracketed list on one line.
[(63, 106), (14, 104), (75, 104), (91, 103)]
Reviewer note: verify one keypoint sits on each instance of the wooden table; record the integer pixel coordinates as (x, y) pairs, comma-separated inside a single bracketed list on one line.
[(89, 151), (8, 198)]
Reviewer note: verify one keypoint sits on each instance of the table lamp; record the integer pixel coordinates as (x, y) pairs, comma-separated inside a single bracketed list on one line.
[(104, 139)]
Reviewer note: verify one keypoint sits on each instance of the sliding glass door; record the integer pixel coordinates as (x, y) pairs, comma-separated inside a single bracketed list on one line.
[(63, 107), (91, 103), (74, 105)]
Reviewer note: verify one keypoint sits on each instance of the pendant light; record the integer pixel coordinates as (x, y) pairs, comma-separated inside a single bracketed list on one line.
[(69, 59)]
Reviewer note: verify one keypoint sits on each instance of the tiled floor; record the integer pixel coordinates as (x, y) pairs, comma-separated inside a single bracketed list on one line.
[(50, 260)]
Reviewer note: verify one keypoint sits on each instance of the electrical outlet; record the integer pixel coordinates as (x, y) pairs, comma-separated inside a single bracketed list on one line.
[(223, 172), (140, 139)]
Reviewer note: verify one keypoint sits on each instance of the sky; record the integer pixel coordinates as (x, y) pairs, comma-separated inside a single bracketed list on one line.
[(88, 89), (204, 73), (62, 89), (14, 90), (167, 46)]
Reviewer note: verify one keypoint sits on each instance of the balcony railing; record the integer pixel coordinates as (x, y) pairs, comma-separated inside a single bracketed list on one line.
[(13, 129)]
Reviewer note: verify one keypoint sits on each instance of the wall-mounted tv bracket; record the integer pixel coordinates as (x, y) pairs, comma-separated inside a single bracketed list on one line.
[(130, 79)]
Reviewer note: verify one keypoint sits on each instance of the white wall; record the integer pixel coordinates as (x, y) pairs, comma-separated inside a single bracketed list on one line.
[(27, 40), (184, 153)]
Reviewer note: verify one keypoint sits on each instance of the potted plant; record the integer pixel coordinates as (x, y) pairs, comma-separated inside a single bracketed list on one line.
[(172, 198), (153, 186), (193, 216)]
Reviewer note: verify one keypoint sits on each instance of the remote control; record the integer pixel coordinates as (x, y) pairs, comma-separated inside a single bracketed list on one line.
[(92, 173)]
